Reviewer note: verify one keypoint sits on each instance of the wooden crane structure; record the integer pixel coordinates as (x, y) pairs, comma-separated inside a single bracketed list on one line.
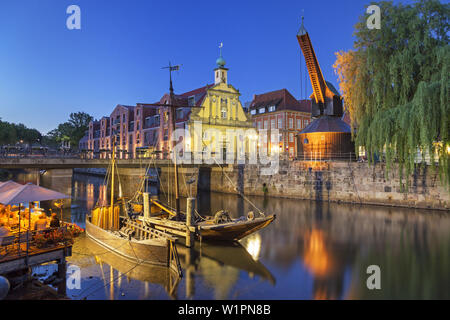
[(327, 137), (325, 99)]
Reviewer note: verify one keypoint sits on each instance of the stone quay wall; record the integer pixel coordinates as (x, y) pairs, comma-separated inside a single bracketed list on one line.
[(350, 182)]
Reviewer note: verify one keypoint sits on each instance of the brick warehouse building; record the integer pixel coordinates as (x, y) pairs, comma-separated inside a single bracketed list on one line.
[(280, 110)]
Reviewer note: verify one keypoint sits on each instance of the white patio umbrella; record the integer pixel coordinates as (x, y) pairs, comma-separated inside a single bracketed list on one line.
[(8, 185), (29, 193)]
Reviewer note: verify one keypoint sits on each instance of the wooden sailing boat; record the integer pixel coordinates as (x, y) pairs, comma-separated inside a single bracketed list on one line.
[(130, 238), (219, 227)]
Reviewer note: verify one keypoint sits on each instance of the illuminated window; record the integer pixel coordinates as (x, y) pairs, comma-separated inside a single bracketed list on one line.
[(180, 114), (224, 112)]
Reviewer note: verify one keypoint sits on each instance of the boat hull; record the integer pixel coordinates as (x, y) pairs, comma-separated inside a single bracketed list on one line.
[(233, 231), (152, 251)]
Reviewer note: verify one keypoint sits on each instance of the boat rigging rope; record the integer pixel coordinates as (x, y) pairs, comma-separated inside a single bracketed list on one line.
[(159, 179), (188, 190), (105, 182), (142, 183), (234, 185), (118, 178)]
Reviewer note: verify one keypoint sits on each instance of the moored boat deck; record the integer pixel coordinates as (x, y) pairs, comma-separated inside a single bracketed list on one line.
[(207, 230)]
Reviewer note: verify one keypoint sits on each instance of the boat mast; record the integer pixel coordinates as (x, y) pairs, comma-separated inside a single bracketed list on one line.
[(113, 156), (172, 109)]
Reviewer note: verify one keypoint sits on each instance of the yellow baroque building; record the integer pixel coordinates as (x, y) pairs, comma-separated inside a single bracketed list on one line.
[(224, 124)]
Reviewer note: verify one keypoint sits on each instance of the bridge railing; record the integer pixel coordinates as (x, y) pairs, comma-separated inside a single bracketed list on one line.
[(49, 155)]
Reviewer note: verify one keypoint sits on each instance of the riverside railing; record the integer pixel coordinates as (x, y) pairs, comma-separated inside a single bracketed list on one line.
[(35, 240)]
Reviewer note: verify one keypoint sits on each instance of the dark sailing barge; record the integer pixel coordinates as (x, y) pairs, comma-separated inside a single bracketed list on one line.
[(129, 237)]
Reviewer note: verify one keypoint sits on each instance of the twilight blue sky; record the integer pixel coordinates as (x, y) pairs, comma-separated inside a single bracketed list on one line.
[(48, 71)]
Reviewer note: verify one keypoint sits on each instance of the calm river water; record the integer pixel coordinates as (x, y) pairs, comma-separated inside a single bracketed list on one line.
[(312, 251)]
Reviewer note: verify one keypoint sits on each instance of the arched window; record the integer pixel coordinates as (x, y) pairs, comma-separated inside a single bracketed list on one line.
[(223, 108), (223, 112)]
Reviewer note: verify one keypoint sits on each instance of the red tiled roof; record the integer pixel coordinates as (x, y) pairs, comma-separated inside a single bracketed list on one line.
[(197, 91), (282, 99)]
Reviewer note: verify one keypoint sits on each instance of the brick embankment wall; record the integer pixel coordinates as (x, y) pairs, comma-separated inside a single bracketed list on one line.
[(333, 181)]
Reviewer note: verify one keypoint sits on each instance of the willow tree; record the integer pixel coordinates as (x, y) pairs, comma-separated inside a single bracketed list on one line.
[(395, 83)]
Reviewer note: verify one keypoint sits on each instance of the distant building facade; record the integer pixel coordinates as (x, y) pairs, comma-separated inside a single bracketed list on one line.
[(144, 128), (280, 110)]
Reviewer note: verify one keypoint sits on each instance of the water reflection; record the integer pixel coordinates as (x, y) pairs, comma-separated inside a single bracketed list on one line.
[(316, 256), (312, 251), (253, 245)]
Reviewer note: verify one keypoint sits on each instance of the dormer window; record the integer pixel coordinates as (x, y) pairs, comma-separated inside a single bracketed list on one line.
[(191, 101), (272, 108), (261, 110), (253, 112)]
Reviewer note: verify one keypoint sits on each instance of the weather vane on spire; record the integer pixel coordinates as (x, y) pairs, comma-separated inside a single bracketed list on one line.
[(220, 61), (171, 68), (220, 47)]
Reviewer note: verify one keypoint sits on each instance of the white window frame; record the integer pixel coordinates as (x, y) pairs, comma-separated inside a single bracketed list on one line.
[(224, 112), (272, 124)]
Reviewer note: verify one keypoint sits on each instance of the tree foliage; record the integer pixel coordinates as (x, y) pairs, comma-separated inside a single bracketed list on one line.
[(72, 130), (395, 83), (11, 133)]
